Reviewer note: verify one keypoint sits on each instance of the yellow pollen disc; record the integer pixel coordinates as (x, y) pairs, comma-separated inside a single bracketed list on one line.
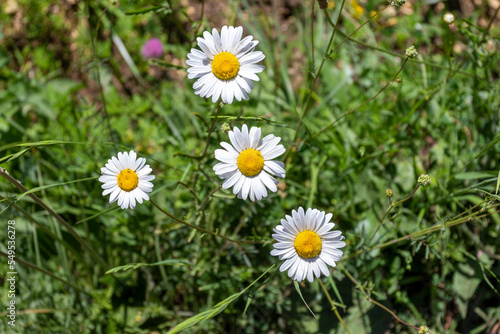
[(127, 180), (307, 244), (225, 66), (250, 162)]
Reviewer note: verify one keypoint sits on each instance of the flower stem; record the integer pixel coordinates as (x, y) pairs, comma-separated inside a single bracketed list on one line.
[(199, 157), (334, 308), (387, 212), (362, 290), (362, 104), (316, 76), (202, 229)]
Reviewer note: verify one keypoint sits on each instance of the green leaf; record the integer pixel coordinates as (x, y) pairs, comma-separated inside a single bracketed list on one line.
[(54, 185), (133, 266), (143, 10), (10, 157), (487, 147), (210, 313), (297, 287), (465, 282), (249, 300), (160, 62), (474, 175)]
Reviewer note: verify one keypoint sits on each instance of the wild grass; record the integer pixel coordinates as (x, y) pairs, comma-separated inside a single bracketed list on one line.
[(357, 118)]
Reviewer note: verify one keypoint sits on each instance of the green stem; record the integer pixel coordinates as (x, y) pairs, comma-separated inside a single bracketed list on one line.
[(316, 76), (425, 231), (362, 104), (208, 138), (202, 229), (348, 274), (387, 212), (334, 308)]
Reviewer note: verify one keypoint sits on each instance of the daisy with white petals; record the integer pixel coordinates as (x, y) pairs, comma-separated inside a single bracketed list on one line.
[(307, 245), (246, 163), (226, 65), (127, 178)]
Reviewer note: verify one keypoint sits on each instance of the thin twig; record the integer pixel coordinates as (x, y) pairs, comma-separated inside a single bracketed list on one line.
[(334, 308), (316, 76), (199, 157), (202, 229), (387, 212), (362, 104), (360, 287)]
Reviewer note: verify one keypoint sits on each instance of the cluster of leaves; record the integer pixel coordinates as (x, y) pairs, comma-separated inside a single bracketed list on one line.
[(70, 98)]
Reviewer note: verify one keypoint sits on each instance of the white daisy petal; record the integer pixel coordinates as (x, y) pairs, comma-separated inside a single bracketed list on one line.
[(107, 178), (231, 181), (225, 66), (244, 137), (132, 200), (275, 168), (248, 74), (117, 163), (269, 181), (111, 168), (288, 263), (248, 47), (126, 179), (224, 36), (305, 251), (254, 137), (217, 41), (222, 168), (238, 185), (229, 148), (225, 156), (205, 47), (245, 84), (246, 188), (114, 195), (144, 171), (109, 190)]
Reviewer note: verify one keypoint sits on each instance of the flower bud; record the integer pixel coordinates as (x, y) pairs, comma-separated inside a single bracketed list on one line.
[(424, 180), (411, 52)]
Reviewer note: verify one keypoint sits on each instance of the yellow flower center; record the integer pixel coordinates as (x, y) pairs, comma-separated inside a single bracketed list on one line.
[(250, 162), (127, 180), (225, 66), (307, 244)]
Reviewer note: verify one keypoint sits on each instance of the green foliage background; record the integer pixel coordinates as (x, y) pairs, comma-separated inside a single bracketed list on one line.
[(75, 91)]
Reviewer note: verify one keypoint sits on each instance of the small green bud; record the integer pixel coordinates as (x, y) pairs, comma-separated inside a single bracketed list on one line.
[(411, 52), (388, 193), (424, 330), (397, 2), (424, 180), (225, 128)]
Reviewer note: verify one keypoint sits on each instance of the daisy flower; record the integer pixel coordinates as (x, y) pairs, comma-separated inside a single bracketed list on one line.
[(226, 65), (127, 178), (307, 245), (246, 163)]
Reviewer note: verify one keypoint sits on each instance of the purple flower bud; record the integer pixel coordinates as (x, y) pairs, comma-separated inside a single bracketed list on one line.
[(152, 48)]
